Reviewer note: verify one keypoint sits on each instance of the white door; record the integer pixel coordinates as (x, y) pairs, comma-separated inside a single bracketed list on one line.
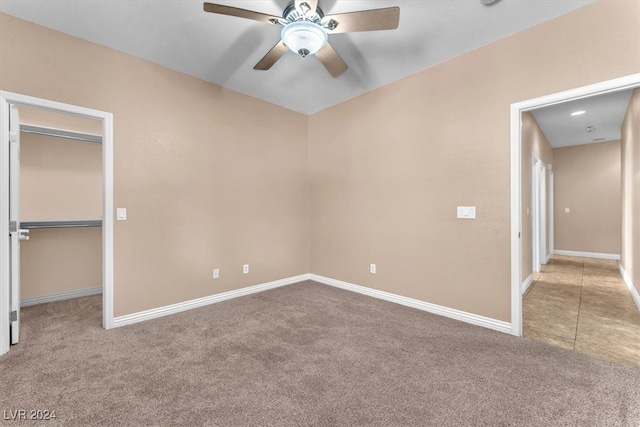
[(539, 214), (542, 229), (535, 215), (15, 233)]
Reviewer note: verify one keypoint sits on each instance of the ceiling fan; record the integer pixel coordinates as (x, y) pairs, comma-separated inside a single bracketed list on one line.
[(305, 29)]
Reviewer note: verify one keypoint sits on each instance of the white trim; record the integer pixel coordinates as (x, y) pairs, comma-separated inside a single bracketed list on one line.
[(551, 213), (154, 313), (25, 302), (527, 282), (5, 278), (516, 221), (474, 319), (107, 221), (536, 263), (632, 289), (587, 254), (539, 254), (517, 108), (542, 205), (107, 203)]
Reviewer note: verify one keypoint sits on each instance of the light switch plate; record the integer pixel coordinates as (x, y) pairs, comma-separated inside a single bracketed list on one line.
[(567, 210), (471, 212), (121, 214)]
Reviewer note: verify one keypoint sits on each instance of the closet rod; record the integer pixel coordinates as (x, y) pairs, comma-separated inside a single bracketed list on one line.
[(60, 133), (61, 223)]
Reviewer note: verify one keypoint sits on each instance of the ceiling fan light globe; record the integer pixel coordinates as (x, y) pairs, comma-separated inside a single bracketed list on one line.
[(304, 37)]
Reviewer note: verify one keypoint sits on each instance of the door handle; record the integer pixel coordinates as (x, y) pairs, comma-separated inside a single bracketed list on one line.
[(23, 234)]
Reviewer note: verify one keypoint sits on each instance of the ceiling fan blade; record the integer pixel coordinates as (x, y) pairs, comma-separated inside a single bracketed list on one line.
[(365, 20), (312, 6), (241, 13), (272, 56), (331, 60)]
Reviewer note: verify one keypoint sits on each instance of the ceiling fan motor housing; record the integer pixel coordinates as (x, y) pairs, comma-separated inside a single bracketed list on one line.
[(292, 14), (303, 34)]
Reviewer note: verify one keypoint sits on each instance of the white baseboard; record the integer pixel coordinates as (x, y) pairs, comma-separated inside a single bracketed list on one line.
[(473, 319), (25, 302), (547, 259), (463, 316), (627, 280), (200, 302), (587, 254), (525, 285)]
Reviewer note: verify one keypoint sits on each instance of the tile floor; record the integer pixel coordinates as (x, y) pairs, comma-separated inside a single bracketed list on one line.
[(583, 304)]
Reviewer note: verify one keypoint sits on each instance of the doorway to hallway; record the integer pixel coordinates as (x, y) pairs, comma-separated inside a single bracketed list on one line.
[(520, 277)]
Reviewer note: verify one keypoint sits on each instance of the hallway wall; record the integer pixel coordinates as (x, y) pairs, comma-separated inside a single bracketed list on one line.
[(587, 181), (630, 259)]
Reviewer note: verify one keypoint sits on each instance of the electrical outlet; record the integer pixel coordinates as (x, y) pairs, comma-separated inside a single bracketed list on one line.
[(216, 273), (372, 269), (466, 212), (245, 269)]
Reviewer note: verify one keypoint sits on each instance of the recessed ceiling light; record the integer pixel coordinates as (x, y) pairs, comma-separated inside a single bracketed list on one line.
[(578, 113)]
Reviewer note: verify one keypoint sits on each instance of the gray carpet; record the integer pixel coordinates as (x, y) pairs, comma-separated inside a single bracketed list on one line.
[(303, 355)]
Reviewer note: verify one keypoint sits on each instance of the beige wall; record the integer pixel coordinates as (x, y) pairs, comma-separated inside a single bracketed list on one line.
[(210, 177), (385, 186), (533, 143), (587, 181), (60, 260), (630, 257), (59, 178)]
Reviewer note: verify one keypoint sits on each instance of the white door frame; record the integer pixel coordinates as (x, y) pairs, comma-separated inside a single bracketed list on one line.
[(542, 215), (535, 212), (7, 98), (627, 82), (538, 217), (551, 214)]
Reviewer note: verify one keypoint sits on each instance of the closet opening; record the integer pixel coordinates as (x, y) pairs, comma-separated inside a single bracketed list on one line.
[(60, 212), (56, 216)]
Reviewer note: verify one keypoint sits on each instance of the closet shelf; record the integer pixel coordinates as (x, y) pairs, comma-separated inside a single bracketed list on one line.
[(60, 133), (71, 223)]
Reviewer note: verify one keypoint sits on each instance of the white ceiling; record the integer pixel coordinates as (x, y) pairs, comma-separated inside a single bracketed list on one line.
[(224, 49), (603, 112)]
